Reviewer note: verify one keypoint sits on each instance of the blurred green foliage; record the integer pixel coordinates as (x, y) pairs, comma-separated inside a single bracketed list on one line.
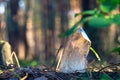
[(99, 17), (105, 77), (116, 50), (117, 19), (32, 63), (99, 22), (108, 6)]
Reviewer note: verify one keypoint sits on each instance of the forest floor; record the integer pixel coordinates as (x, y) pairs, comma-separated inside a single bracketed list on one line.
[(12, 72)]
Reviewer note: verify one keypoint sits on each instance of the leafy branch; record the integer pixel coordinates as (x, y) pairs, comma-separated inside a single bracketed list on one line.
[(100, 17)]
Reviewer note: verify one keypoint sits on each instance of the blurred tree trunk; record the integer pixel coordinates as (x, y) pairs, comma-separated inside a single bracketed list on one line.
[(48, 25), (15, 29), (20, 29), (63, 7), (3, 35), (103, 39), (12, 25), (29, 32), (38, 35)]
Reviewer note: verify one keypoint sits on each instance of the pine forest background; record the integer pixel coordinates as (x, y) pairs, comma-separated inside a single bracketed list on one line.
[(33, 26)]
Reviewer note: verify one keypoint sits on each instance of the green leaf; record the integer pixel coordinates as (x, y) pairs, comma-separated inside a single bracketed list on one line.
[(108, 6), (113, 1), (104, 76), (116, 1), (99, 22), (77, 14), (116, 50), (88, 12), (100, 1), (116, 19)]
